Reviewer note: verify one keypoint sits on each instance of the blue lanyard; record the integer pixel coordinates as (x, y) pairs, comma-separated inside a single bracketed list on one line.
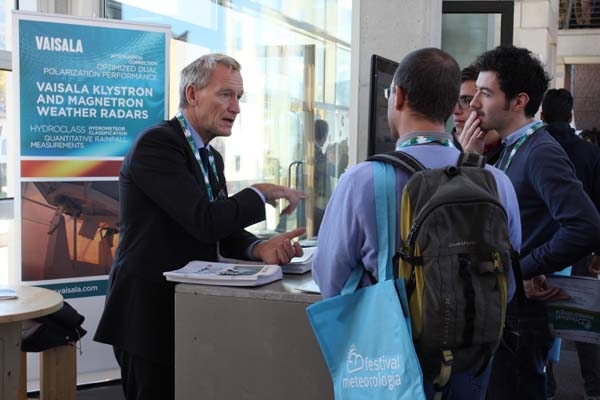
[(518, 144), (211, 159), (424, 139)]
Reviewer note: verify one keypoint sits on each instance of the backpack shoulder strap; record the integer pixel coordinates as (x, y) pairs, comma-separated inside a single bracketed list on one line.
[(471, 160), (399, 159)]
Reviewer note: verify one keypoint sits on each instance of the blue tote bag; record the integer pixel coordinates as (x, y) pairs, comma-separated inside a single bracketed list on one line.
[(364, 334)]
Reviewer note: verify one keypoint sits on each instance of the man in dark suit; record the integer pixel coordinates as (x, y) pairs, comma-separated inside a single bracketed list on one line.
[(557, 113), (174, 208)]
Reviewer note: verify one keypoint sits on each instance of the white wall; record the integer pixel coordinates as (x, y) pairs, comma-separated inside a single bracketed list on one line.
[(389, 28), (535, 28)]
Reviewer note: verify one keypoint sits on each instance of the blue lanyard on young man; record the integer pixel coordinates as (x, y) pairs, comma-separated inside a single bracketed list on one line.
[(516, 146), (211, 159)]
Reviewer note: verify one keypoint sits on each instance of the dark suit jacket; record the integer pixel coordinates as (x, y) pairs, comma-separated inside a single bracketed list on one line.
[(584, 156), (166, 220)]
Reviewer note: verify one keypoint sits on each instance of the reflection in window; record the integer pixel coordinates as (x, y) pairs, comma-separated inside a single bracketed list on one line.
[(5, 220), (5, 24), (295, 58), (4, 85)]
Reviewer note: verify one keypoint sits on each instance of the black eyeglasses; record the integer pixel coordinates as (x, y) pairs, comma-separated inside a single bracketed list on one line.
[(464, 102)]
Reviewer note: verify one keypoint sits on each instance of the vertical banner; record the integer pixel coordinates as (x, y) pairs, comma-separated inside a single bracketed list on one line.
[(85, 88)]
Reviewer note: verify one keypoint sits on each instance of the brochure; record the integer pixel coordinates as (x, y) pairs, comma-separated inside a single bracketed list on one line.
[(225, 274), (310, 287), (578, 318), (7, 294), (300, 265)]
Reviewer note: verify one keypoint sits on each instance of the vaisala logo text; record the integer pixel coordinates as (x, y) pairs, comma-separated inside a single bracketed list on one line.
[(364, 372)]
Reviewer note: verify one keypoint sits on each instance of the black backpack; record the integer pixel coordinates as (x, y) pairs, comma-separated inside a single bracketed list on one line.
[(454, 256)]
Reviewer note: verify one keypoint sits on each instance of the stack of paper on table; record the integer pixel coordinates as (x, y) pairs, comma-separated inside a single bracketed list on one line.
[(7, 294), (310, 287), (225, 274), (299, 265)]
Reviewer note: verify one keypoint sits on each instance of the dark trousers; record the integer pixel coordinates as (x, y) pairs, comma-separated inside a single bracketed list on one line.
[(518, 367), (589, 362), (143, 379)]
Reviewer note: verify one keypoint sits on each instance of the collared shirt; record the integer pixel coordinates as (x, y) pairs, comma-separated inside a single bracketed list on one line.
[(426, 137), (200, 144), (512, 143), (195, 135), (513, 137)]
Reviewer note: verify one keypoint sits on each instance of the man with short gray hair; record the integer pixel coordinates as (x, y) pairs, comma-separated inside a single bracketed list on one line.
[(174, 208)]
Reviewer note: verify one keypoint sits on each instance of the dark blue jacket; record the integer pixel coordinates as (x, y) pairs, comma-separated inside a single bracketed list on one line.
[(559, 222), (585, 157)]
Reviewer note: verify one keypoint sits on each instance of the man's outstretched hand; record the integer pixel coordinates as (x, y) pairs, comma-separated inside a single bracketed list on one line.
[(275, 192), (279, 249)]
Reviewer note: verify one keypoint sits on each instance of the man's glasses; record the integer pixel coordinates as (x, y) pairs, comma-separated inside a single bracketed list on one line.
[(464, 102), (386, 93)]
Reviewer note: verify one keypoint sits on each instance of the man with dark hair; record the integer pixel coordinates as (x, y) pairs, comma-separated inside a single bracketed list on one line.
[(591, 135), (557, 112), (462, 110), (420, 100), (468, 76), (559, 222), (557, 109)]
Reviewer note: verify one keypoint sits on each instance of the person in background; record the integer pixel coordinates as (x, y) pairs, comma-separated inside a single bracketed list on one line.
[(491, 144), (461, 111), (420, 100), (321, 176), (174, 208), (557, 216), (557, 113), (591, 135), (337, 157)]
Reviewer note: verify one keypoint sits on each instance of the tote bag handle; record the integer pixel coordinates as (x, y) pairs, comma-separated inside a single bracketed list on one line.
[(385, 211)]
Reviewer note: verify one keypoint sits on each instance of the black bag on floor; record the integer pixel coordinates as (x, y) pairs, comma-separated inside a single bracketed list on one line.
[(60, 328)]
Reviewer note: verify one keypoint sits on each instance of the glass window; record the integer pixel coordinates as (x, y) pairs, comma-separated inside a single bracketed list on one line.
[(5, 18), (5, 203), (471, 27), (333, 17), (4, 88), (295, 60), (466, 36)]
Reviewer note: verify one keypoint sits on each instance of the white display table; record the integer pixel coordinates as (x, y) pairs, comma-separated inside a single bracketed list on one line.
[(247, 343)]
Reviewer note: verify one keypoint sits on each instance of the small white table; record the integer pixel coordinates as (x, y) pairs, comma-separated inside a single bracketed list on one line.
[(32, 302)]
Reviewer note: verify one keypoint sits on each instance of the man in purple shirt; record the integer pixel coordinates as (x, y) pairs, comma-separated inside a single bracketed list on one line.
[(421, 98)]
